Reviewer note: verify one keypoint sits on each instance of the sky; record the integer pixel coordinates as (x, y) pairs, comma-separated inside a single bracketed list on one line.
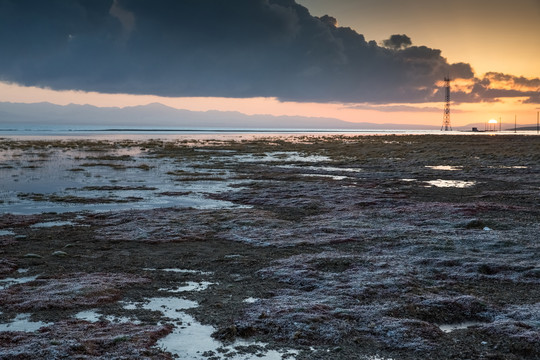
[(363, 61)]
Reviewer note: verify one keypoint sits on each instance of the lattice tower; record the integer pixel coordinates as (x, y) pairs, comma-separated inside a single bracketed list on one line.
[(446, 116)]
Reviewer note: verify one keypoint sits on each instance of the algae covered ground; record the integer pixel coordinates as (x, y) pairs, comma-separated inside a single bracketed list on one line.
[(285, 247)]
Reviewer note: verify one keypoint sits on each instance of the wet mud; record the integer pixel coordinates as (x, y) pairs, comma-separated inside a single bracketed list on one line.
[(349, 247)]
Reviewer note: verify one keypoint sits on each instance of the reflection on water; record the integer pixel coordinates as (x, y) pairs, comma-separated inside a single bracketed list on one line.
[(447, 328), (190, 286), (65, 180), (445, 167), (22, 322), (451, 183), (182, 271), (211, 134), (193, 340), (333, 177), (7, 282), (51, 224), (94, 316), (278, 156)]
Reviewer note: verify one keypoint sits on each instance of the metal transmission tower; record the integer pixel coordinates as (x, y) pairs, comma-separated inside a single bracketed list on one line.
[(446, 117)]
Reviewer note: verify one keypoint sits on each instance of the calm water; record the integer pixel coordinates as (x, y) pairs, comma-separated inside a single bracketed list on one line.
[(60, 180), (64, 132)]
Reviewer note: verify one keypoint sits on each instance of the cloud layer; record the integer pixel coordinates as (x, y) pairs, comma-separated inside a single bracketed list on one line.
[(237, 48)]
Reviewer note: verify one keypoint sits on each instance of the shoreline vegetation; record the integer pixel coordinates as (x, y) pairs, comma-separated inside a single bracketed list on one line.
[(273, 247)]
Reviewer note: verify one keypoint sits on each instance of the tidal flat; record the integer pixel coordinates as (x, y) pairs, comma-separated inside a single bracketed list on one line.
[(281, 247)]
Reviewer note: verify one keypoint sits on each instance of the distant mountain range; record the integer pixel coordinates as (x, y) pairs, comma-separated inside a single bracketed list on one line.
[(160, 116)]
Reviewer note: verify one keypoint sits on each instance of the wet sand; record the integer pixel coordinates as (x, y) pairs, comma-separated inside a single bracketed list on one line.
[(304, 247)]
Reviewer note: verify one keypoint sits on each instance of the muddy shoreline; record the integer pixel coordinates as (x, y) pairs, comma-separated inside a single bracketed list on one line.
[(304, 247)]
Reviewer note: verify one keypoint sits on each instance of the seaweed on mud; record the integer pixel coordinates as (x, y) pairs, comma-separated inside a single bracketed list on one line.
[(81, 339), (7, 266), (444, 310), (372, 264), (158, 225), (144, 167), (111, 158), (18, 221), (118, 188), (68, 291), (78, 199), (296, 213), (110, 165)]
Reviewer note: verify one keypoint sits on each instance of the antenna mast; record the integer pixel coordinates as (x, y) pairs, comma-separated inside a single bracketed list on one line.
[(446, 116)]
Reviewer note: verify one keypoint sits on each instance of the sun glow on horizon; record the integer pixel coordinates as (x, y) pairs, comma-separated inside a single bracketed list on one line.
[(399, 113)]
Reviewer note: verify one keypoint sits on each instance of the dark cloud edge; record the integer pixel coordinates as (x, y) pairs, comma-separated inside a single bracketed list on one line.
[(240, 49)]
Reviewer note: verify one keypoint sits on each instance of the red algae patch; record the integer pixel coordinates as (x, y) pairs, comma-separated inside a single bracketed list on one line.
[(83, 340), (18, 221), (154, 226), (73, 290)]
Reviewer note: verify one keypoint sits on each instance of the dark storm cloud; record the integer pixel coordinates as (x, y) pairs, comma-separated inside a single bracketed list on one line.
[(397, 42), (329, 20), (233, 48)]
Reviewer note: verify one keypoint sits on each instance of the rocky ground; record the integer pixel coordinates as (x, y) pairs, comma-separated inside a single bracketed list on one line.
[(349, 247)]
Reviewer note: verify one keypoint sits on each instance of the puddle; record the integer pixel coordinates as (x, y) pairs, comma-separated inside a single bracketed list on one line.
[(191, 286), (408, 180), (445, 167), (6, 233), (280, 156), (5, 283), (331, 168), (223, 151), (72, 181), (322, 168), (22, 322), (197, 201), (192, 340), (189, 338), (88, 315), (52, 223), (183, 271), (333, 177), (94, 316), (508, 167), (451, 183), (250, 300), (447, 328)]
